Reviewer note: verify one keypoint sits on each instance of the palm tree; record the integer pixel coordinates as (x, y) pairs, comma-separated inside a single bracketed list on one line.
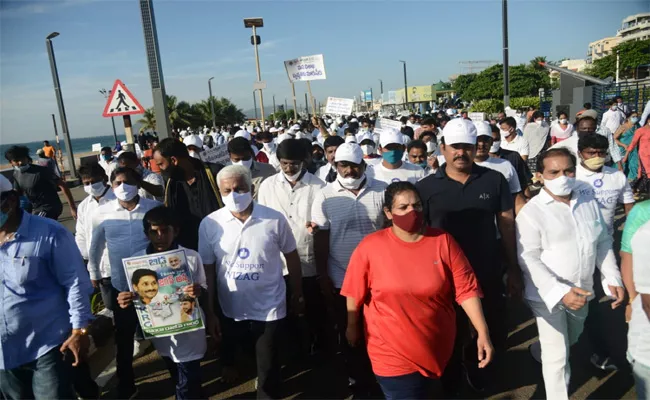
[(148, 120), (534, 63), (177, 112)]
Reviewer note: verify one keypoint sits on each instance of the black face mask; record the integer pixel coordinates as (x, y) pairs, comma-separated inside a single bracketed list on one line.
[(584, 133), (172, 172)]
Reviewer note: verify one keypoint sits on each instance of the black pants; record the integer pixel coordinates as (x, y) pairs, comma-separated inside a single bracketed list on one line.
[(356, 358), (465, 350), (126, 323), (82, 381), (601, 315), (304, 333), (262, 338)]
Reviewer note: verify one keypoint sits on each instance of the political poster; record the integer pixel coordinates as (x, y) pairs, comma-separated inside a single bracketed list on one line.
[(339, 106), (308, 68), (385, 123), (367, 96), (158, 281), (217, 154), (476, 116)]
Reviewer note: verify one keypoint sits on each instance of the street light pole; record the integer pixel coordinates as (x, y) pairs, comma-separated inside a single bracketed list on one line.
[(106, 94), (506, 75), (256, 23), (274, 116), (59, 101), (406, 94), (255, 104), (214, 120)]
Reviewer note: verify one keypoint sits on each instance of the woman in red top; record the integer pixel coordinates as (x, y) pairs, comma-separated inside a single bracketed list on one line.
[(407, 278)]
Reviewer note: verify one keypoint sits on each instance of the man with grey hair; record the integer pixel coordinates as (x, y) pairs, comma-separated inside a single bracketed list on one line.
[(242, 246)]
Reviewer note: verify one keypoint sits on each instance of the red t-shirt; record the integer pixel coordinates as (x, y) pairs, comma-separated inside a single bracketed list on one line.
[(151, 164), (408, 290)]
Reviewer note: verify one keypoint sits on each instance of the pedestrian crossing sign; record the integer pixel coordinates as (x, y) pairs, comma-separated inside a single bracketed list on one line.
[(121, 102)]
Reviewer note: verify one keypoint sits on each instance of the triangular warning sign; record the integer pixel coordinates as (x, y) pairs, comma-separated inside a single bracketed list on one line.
[(121, 102)]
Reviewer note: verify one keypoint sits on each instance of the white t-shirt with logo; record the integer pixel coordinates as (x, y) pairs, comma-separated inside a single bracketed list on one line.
[(248, 258), (506, 168), (518, 144), (406, 172), (609, 187)]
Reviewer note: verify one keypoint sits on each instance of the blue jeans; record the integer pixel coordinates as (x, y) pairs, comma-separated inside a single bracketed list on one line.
[(186, 377), (47, 377), (641, 379), (409, 386)]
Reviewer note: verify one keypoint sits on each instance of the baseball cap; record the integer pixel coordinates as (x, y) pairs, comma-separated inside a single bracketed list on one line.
[(350, 152), (588, 113), (459, 130), (244, 134), (282, 137), (294, 128), (365, 136), (193, 140), (39, 152), (483, 129), (5, 185), (273, 130), (390, 136), (350, 139)]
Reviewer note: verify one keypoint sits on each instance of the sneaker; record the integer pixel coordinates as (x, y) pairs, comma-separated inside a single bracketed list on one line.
[(473, 377), (603, 363), (535, 350)]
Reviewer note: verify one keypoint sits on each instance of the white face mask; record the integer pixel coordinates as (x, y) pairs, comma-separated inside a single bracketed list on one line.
[(195, 155), (350, 182), (245, 163), (270, 147), (504, 134), (292, 178), (539, 121), (563, 121), (431, 147), (496, 145), (614, 108), (367, 149), (125, 192), (237, 202), (96, 189), (560, 186)]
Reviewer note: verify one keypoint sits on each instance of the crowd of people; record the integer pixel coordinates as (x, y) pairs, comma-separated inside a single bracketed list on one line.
[(398, 249)]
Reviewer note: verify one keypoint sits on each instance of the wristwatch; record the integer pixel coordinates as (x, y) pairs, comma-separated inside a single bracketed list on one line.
[(81, 331)]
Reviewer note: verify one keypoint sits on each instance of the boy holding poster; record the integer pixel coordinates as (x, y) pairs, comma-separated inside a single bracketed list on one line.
[(166, 300)]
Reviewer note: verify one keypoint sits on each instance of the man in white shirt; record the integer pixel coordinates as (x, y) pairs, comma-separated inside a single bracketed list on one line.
[(292, 192), (99, 193), (609, 187), (392, 168), (107, 161), (343, 213), (153, 186), (241, 154), (269, 147), (484, 143), (327, 172), (510, 140), (621, 106), (645, 115), (561, 236), (242, 245), (613, 118), (117, 227)]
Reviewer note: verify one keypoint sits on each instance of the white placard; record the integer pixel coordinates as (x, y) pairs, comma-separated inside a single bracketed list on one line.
[(217, 154), (97, 147), (476, 116), (385, 123), (339, 106), (259, 85), (307, 68)]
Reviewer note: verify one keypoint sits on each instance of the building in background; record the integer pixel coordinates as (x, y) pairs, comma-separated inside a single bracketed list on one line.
[(601, 48), (573, 65), (635, 27)]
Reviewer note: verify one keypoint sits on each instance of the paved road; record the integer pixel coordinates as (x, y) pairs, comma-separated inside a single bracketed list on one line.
[(518, 375)]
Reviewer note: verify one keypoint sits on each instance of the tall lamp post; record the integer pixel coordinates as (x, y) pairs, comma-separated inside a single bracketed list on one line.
[(506, 75), (59, 101), (406, 94), (255, 41), (107, 93), (274, 116), (214, 121), (381, 91)]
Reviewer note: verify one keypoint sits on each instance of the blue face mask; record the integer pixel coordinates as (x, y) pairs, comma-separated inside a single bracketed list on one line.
[(424, 165), (634, 120), (3, 218), (392, 156), (106, 157)]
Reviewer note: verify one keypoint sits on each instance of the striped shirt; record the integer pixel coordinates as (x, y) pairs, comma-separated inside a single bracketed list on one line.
[(349, 219)]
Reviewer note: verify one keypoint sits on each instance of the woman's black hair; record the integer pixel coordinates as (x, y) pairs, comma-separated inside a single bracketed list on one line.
[(393, 190)]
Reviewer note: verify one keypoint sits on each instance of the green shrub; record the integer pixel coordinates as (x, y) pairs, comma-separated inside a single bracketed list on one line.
[(489, 106), (524, 102)]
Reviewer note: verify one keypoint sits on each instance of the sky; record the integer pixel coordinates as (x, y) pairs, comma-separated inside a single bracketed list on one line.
[(362, 41)]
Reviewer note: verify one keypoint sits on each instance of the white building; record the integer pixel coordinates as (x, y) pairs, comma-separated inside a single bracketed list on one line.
[(635, 27)]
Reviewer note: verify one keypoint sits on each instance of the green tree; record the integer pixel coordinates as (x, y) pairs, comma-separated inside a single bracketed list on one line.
[(534, 63), (178, 116), (148, 120), (462, 82), (632, 54)]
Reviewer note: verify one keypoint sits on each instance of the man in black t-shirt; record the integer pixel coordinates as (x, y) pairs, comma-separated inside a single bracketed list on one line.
[(465, 199), (190, 188), (39, 184)]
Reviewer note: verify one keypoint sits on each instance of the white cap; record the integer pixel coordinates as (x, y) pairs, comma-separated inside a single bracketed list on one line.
[(354, 120), (244, 134), (273, 130), (366, 136), (451, 112), (350, 139), (283, 137), (295, 128), (390, 136), (350, 152), (5, 185), (258, 130), (317, 144), (302, 135), (339, 120), (459, 130), (193, 140), (483, 128)]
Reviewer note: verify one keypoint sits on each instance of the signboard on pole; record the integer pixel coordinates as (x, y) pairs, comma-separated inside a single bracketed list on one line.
[(307, 68), (476, 116), (259, 85), (385, 123), (339, 106), (367, 96), (121, 102), (217, 154)]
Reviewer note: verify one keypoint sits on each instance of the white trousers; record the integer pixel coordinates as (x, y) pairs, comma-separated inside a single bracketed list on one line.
[(558, 331)]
